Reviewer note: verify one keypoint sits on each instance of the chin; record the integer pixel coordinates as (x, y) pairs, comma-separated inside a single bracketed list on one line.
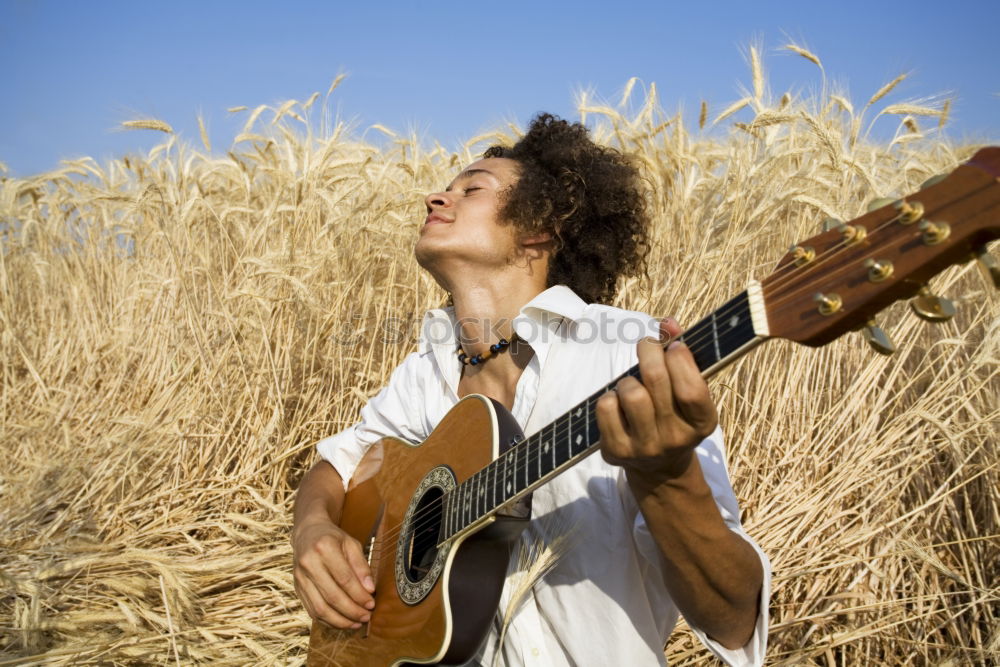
[(423, 255), (429, 260)]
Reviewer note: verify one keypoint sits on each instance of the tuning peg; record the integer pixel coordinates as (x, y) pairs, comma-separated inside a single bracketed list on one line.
[(933, 180), (879, 203), (877, 338), (931, 307), (988, 264), (831, 223)]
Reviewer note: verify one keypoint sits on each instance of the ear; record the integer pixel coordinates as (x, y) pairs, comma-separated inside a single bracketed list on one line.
[(536, 239)]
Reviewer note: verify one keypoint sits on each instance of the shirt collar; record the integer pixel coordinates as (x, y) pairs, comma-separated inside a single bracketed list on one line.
[(537, 324), (548, 308)]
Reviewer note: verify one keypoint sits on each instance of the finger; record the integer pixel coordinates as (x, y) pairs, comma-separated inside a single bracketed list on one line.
[(669, 329), (640, 416), (610, 423), (656, 379), (318, 607), (300, 593), (350, 572), (356, 559), (690, 392), (332, 578), (357, 599)]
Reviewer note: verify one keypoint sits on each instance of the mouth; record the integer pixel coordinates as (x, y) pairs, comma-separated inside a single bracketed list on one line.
[(436, 219)]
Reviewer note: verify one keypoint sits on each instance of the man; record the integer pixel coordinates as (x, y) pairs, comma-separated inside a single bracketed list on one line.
[(529, 241)]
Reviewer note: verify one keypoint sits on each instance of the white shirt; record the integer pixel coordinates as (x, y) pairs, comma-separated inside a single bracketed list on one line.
[(603, 602)]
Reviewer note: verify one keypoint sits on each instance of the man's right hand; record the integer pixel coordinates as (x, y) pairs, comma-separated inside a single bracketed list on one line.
[(332, 577)]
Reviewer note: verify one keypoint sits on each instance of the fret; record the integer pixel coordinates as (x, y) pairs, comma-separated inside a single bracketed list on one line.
[(465, 504), (480, 493), (737, 328), (446, 516), (471, 496), (474, 498), (579, 415), (574, 414), (515, 464), (485, 493), (541, 452), (491, 484), (508, 475), (581, 439), (593, 433), (463, 499), (521, 468), (722, 333), (715, 339), (456, 507), (530, 460), (469, 503)]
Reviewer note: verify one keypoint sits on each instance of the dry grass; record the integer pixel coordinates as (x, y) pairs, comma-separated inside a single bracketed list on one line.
[(178, 329)]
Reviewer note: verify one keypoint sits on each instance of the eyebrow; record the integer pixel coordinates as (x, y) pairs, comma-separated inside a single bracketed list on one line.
[(467, 173)]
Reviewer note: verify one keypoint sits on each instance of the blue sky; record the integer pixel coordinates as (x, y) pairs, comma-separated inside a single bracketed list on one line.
[(75, 70)]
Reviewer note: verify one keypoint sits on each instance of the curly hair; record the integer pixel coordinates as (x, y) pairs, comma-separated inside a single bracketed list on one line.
[(587, 196)]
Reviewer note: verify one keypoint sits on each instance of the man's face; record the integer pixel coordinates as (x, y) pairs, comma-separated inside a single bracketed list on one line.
[(462, 227)]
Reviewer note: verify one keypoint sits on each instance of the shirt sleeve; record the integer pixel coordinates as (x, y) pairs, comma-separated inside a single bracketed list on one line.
[(395, 411), (712, 457)]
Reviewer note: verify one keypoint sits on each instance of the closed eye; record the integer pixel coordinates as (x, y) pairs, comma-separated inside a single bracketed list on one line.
[(472, 189)]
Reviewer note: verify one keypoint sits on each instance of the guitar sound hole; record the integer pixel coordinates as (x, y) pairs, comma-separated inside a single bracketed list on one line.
[(423, 535)]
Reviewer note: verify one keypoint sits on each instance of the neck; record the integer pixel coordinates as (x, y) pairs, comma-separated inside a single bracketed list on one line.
[(486, 311)]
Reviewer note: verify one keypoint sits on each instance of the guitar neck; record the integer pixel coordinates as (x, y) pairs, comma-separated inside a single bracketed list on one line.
[(725, 335)]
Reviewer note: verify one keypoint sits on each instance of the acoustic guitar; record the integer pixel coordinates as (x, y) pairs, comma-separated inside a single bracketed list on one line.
[(438, 521)]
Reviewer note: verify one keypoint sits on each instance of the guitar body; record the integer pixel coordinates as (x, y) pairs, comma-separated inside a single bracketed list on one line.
[(432, 605)]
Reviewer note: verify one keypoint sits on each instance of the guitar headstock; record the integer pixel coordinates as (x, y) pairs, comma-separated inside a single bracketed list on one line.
[(837, 281)]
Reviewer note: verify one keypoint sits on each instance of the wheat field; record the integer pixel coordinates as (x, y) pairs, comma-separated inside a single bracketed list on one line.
[(180, 327)]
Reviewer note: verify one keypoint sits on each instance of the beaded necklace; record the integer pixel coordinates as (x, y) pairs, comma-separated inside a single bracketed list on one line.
[(495, 348)]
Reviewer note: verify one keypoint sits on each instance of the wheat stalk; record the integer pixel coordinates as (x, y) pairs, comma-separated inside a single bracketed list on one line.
[(808, 55), (886, 89), (178, 329), (533, 559), (148, 124)]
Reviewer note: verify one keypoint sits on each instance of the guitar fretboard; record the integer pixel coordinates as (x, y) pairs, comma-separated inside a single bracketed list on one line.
[(714, 341)]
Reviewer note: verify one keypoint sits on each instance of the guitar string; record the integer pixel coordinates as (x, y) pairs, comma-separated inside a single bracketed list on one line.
[(777, 286), (420, 520), (429, 513), (701, 342), (698, 344)]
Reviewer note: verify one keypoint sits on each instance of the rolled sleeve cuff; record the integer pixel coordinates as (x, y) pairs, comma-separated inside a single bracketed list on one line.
[(751, 653), (342, 452)]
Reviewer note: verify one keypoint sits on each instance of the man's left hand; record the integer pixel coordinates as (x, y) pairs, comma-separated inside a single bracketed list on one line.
[(651, 428)]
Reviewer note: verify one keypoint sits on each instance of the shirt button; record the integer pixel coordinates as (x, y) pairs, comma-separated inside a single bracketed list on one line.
[(534, 652)]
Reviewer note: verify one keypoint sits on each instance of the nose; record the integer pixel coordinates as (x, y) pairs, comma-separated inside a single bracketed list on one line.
[(437, 200)]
